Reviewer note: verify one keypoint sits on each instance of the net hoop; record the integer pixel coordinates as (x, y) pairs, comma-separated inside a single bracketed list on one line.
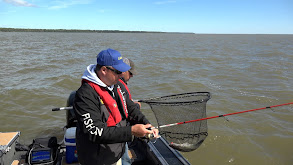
[(171, 111), (157, 100)]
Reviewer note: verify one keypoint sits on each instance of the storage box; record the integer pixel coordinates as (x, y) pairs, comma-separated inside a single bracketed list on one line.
[(7, 146), (71, 153)]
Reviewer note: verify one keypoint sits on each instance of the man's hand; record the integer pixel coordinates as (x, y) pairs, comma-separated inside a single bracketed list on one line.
[(140, 130), (136, 102)]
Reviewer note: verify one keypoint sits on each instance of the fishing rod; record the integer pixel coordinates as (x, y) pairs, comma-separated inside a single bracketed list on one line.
[(190, 121), (228, 114), (62, 108)]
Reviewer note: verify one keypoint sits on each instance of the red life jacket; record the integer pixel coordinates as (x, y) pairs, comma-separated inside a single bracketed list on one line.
[(110, 103), (126, 87)]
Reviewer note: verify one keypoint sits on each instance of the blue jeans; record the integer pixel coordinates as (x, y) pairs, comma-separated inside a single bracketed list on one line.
[(125, 158)]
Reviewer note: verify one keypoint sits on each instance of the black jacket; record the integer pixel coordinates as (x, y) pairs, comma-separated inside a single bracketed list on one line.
[(96, 143)]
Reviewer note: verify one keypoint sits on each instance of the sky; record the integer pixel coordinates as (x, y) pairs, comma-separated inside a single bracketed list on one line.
[(195, 16)]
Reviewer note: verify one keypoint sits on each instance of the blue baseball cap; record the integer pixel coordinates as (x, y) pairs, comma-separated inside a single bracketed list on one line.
[(111, 57)]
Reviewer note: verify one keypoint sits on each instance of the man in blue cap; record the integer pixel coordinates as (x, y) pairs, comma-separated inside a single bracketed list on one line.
[(102, 108)]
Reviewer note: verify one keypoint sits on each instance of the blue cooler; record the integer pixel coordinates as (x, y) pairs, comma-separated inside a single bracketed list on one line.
[(71, 153)]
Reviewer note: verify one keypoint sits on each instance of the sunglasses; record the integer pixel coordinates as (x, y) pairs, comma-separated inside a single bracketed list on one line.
[(114, 70)]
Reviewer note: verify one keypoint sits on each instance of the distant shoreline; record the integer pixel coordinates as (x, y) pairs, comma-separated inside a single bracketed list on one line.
[(113, 31), (78, 31)]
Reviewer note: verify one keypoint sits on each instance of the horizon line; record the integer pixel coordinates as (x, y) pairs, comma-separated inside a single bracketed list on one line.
[(9, 29)]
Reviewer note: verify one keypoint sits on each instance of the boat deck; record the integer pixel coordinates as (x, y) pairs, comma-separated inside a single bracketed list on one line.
[(7, 137), (143, 153)]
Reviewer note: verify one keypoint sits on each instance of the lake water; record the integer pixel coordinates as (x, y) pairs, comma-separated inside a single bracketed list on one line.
[(242, 72)]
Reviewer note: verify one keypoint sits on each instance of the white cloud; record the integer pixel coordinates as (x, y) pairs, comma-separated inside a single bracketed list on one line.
[(164, 2), (60, 4), (20, 3)]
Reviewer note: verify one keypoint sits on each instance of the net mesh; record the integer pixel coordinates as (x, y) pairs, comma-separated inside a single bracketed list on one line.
[(179, 108)]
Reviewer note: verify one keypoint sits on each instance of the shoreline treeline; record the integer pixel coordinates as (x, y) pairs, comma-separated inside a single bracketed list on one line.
[(72, 30)]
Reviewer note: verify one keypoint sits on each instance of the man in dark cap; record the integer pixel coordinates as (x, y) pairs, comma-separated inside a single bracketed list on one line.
[(127, 75), (126, 160)]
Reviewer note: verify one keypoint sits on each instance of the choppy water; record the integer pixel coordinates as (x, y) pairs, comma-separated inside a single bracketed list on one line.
[(39, 70)]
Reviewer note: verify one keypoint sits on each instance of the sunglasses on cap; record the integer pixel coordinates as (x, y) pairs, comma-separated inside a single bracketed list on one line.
[(114, 70)]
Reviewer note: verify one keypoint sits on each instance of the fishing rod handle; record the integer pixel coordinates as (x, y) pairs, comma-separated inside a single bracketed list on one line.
[(62, 108)]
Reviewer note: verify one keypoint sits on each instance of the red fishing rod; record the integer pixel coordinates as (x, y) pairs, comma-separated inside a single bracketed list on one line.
[(207, 118), (228, 114)]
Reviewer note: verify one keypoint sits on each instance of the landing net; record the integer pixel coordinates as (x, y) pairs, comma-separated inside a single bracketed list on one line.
[(179, 108)]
